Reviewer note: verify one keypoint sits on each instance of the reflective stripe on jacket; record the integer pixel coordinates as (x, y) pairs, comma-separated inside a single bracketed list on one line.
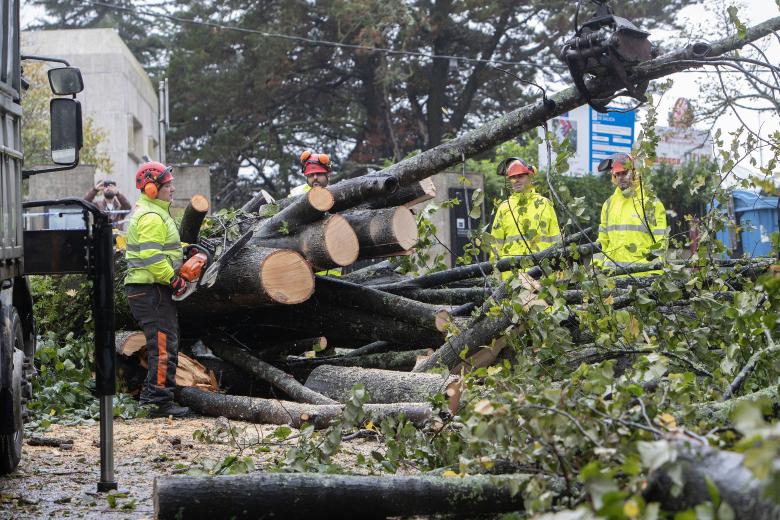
[(154, 250), (525, 223), (627, 230)]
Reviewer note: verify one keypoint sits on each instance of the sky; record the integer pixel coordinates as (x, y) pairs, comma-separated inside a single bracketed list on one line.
[(685, 84)]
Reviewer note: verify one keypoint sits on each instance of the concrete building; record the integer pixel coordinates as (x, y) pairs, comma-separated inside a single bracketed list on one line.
[(118, 95)]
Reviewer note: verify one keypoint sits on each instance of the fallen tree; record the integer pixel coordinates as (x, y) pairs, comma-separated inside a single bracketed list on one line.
[(332, 496)]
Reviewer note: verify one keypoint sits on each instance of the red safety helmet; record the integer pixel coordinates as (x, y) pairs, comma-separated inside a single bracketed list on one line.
[(151, 176), (312, 163), (513, 166)]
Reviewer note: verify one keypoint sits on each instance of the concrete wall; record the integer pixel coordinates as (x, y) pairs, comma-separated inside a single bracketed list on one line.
[(118, 95), (57, 185), (190, 180)]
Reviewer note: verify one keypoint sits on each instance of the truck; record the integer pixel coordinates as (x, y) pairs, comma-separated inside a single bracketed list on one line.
[(24, 252)]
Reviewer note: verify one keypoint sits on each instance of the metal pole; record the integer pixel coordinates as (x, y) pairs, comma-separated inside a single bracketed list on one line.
[(162, 109), (105, 344), (107, 481)]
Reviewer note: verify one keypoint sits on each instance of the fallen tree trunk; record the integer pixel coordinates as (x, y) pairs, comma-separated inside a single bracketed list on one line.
[(342, 293), (273, 411), (382, 386), (384, 232), (256, 276), (262, 370), (444, 296), (484, 269), (305, 496), (296, 347), (696, 465), (400, 361), (719, 412), (319, 316), (408, 196), (192, 218), (299, 211), (329, 243)]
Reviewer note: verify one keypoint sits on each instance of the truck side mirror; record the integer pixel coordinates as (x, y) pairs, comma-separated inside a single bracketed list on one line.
[(66, 131), (66, 81)]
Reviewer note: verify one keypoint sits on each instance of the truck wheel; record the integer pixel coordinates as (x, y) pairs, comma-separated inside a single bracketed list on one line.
[(11, 443)]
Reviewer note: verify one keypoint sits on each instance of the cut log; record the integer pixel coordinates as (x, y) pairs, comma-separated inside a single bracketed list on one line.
[(408, 196), (256, 276), (696, 465), (329, 243), (320, 316), (401, 361), (382, 386), (444, 296), (128, 342), (273, 411), (266, 372), (192, 219), (305, 496), (337, 292), (305, 209), (384, 232)]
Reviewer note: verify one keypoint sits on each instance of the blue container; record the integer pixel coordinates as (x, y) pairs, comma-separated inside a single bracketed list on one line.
[(756, 217)]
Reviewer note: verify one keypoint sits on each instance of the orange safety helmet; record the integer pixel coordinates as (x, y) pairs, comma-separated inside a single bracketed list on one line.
[(312, 163), (513, 166), (151, 175), (617, 162)]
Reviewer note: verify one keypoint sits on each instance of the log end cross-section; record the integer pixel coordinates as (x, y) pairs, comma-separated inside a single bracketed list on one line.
[(320, 199), (286, 277), (341, 242)]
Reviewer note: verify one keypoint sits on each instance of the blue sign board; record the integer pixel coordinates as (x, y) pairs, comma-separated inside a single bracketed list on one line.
[(610, 133)]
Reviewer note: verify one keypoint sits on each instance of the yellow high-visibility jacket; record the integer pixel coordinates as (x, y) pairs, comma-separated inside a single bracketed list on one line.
[(627, 230), (525, 223), (154, 249)]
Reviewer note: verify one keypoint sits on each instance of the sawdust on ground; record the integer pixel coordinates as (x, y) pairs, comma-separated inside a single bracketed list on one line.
[(52, 482)]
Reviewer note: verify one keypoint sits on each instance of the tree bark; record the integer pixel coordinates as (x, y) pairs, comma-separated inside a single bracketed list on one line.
[(256, 276), (300, 211), (408, 196), (383, 232), (329, 243), (273, 411), (296, 347), (305, 496), (341, 293), (394, 361), (269, 373), (192, 219), (697, 464), (382, 386)]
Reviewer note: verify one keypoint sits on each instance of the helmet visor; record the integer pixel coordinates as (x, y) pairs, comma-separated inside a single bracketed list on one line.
[(616, 163)]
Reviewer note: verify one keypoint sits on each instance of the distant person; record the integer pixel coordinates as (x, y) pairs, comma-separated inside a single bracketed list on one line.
[(112, 201), (633, 226), (316, 168), (526, 222)]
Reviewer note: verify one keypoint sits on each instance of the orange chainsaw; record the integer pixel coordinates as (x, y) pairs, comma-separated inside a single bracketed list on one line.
[(200, 271)]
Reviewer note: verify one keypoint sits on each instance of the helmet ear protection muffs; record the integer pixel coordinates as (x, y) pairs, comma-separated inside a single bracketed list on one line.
[(320, 161), (503, 166), (150, 190)]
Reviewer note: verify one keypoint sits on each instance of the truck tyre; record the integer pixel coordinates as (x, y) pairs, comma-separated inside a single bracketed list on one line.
[(11, 443)]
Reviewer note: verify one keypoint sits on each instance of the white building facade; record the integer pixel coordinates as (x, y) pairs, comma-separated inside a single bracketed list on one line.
[(118, 96)]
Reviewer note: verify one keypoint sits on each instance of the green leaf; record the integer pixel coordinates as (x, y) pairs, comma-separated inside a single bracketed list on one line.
[(655, 454)]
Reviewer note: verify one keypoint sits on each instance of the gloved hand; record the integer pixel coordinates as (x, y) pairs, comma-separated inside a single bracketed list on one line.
[(179, 285), (189, 250)]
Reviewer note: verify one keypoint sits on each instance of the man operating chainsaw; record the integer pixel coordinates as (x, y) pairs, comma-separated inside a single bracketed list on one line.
[(154, 257)]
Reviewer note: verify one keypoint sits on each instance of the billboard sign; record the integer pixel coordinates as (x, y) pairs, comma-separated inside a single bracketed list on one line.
[(610, 133)]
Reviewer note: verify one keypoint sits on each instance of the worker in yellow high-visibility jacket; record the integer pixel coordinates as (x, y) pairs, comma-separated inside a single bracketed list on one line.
[(316, 167), (526, 222), (633, 228)]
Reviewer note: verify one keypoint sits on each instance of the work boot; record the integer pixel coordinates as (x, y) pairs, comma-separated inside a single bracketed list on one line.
[(170, 409)]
